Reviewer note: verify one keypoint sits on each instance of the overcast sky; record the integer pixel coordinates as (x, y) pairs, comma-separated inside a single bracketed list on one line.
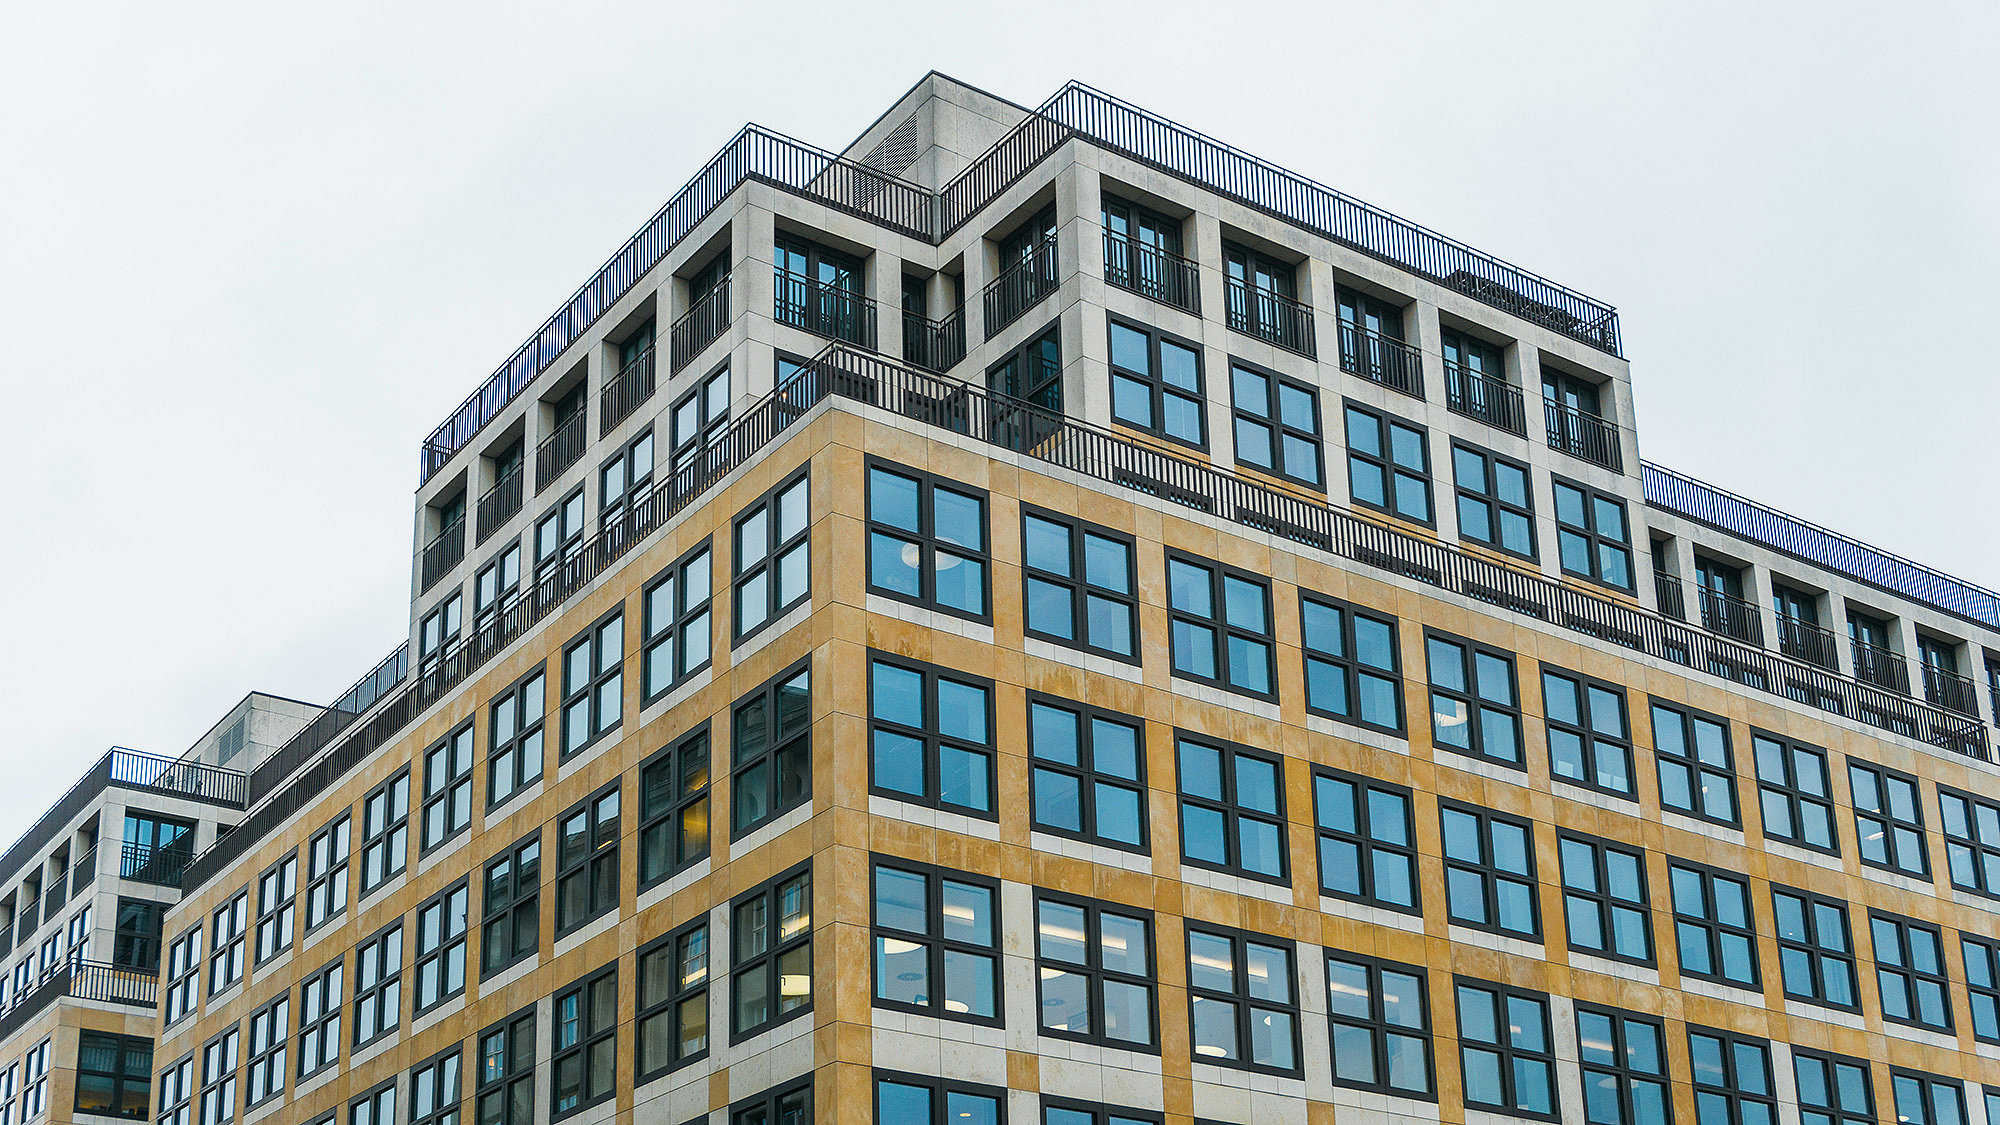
[(250, 256)]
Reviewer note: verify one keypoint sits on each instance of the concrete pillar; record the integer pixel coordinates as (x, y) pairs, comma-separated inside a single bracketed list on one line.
[(1426, 334), (885, 286)]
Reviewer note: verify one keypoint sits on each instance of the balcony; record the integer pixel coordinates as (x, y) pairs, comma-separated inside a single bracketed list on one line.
[(500, 502), (1802, 640), (1152, 273), (1950, 691), (1268, 316), (1731, 616), (706, 319), (1583, 435), (162, 867), (934, 345), (443, 552), (1878, 666), (1667, 592), (83, 980), (83, 872), (823, 310), (626, 392), (1021, 287), (1381, 359), (1488, 400), (559, 450)]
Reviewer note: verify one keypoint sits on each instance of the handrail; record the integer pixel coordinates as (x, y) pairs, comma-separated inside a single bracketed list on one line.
[(1882, 667), (1021, 286), (1495, 402), (1806, 641), (1950, 690), (443, 552), (84, 980), (163, 866), (934, 345), (706, 319), (1381, 358), (328, 724), (1730, 615), (760, 155), (1588, 436), (1152, 272), (1802, 539), (822, 309), (500, 502), (1270, 316), (626, 391), (560, 449)]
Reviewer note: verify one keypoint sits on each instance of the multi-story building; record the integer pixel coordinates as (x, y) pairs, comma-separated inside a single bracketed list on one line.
[(1045, 617), (80, 916)]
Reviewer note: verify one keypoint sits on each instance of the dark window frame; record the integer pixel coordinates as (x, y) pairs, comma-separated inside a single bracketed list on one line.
[(1093, 972), (933, 940), (1154, 382), (668, 641), (1591, 742), (514, 1075), (504, 913), (588, 1039), (603, 635), (678, 996), (1912, 977), (1222, 631), (1603, 894), (322, 997), (1509, 1054), (1365, 840), (1488, 495), (769, 959), (123, 1083), (1088, 779), (437, 1088), (1833, 1110), (525, 703), (678, 804), (1594, 539), (457, 896), (931, 742), (1813, 945), (1689, 758), (767, 1107), (776, 747), (940, 1090), (1899, 833), (384, 991), (1245, 1005), (1475, 699), (1080, 588), (1619, 1068), (277, 889), (1982, 986), (1971, 828), (1927, 1086), (445, 782), (1227, 804), (1490, 875), (1349, 663), (392, 838), (1384, 462), (925, 539), (1714, 930), (1376, 1024), (1788, 790), (592, 863), (1279, 431), (769, 568)]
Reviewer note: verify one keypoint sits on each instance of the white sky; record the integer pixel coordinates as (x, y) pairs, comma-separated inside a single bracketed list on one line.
[(250, 255)]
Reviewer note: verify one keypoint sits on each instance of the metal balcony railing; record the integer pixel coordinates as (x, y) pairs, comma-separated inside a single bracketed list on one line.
[(1269, 316), (1487, 399), (1021, 286), (28, 916), (934, 345), (1731, 616), (1950, 691), (142, 863), (1881, 667), (707, 319), (83, 871), (560, 450), (822, 309), (1074, 112), (1698, 500), (443, 552), (626, 391), (1381, 359), (501, 501), (1803, 640), (1152, 272), (1668, 594), (1583, 435), (83, 980)]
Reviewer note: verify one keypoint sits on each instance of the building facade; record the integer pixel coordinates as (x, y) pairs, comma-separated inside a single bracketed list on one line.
[(80, 940), (1044, 617)]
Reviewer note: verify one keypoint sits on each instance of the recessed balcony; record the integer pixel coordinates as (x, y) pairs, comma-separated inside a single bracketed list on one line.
[(1481, 397), (1152, 272), (824, 310), (1381, 358), (706, 319), (1270, 316), (1583, 435)]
